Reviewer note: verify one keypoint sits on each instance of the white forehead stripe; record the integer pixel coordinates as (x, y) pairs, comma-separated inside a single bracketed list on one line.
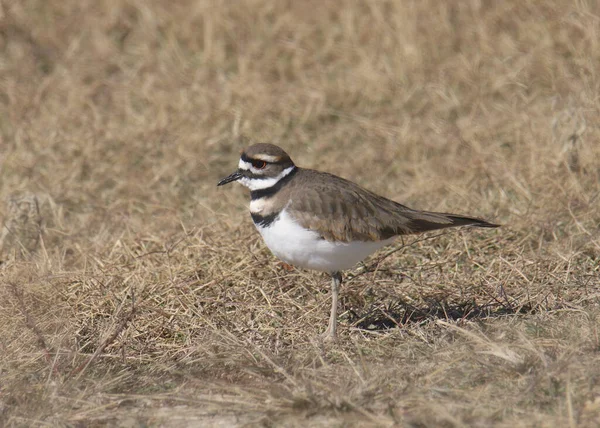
[(244, 165), (264, 183)]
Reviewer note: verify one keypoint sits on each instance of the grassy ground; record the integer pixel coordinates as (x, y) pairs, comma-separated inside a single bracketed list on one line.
[(150, 299)]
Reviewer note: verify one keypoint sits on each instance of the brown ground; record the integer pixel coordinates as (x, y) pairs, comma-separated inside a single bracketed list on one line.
[(150, 299)]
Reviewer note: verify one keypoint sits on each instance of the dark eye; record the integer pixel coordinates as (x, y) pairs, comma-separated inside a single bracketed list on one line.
[(259, 164)]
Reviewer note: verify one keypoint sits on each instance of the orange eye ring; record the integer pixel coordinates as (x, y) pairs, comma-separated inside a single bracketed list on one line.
[(259, 164)]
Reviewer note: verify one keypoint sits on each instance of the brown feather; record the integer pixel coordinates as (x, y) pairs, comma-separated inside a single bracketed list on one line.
[(340, 210)]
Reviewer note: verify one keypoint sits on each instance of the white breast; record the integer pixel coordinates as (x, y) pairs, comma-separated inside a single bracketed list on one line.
[(306, 249)]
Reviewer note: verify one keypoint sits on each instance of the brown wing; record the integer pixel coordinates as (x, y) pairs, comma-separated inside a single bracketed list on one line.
[(340, 210)]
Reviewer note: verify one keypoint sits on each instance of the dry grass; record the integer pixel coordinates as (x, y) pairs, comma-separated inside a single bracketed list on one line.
[(150, 299)]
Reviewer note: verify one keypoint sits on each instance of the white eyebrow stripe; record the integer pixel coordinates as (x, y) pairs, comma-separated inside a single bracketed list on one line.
[(268, 158)]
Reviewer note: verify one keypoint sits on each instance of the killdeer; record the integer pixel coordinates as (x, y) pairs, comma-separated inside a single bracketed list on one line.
[(315, 220)]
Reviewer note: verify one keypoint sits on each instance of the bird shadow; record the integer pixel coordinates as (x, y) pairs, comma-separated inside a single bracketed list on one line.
[(401, 313)]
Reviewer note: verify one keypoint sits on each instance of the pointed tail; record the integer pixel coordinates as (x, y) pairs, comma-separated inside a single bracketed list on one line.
[(423, 221)]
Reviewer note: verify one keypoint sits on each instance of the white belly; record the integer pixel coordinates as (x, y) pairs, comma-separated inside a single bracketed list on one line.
[(306, 249)]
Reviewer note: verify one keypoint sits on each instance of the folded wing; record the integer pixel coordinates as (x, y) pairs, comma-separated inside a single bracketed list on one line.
[(340, 210)]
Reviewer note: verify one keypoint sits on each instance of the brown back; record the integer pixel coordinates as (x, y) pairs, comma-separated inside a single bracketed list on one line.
[(340, 210)]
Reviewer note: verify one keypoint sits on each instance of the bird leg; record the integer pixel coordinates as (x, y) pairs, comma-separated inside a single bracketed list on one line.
[(331, 332)]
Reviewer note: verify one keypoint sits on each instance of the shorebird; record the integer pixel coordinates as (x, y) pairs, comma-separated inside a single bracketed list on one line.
[(316, 220)]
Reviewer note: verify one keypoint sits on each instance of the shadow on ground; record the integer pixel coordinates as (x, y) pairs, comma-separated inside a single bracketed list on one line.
[(402, 313)]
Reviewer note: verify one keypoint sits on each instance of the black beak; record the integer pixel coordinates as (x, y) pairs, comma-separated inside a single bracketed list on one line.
[(231, 177)]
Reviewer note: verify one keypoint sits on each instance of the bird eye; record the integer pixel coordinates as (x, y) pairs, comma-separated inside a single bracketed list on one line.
[(259, 164)]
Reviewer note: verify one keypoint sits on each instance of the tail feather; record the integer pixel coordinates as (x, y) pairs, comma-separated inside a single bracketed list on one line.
[(459, 220), (423, 221)]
